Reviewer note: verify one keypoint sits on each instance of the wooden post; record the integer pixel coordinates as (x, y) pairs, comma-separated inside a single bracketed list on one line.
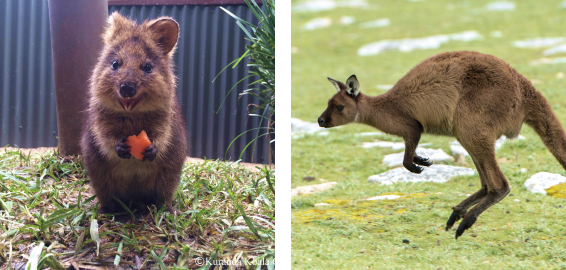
[(76, 40)]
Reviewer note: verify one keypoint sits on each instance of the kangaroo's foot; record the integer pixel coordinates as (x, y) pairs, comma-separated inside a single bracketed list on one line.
[(422, 161), (467, 222), (413, 167), (457, 214), (490, 199)]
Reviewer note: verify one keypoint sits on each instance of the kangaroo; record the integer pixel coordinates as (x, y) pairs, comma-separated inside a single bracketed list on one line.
[(471, 96)]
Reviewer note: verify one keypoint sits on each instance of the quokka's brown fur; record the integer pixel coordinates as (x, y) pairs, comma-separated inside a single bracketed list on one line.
[(473, 97), (126, 97)]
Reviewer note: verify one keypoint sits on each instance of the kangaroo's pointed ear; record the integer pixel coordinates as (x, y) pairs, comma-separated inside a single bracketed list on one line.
[(335, 83), (353, 86)]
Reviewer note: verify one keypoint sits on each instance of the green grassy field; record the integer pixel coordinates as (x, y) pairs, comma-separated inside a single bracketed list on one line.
[(355, 233)]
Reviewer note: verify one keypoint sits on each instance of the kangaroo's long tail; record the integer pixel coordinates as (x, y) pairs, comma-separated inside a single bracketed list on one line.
[(539, 115)]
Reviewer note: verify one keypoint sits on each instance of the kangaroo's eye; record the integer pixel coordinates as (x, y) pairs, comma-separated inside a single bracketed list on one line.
[(147, 68), (339, 108), (115, 65)]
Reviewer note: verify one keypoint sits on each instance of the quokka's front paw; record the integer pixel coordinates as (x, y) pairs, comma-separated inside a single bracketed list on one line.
[(150, 152), (122, 149)]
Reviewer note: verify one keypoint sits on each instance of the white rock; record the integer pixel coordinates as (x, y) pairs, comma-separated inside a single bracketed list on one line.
[(384, 197), (317, 23), (299, 126), (322, 5), (434, 173), (377, 133), (384, 86), (541, 181), (500, 6), (496, 34), (311, 189), (377, 23), (466, 36), (556, 49), (516, 200), (347, 20), (315, 5), (410, 44), (500, 142), (523, 170), (545, 61), (321, 204), (457, 149), (538, 42), (385, 144), (436, 155)]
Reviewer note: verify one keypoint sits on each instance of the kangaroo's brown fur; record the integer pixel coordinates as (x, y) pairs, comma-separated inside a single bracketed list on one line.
[(126, 97), (473, 97)]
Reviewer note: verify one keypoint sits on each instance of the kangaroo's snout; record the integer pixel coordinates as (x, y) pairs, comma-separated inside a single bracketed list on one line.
[(321, 122)]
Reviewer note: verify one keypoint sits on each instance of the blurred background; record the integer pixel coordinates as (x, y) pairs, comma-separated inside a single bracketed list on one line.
[(209, 40), (380, 41)]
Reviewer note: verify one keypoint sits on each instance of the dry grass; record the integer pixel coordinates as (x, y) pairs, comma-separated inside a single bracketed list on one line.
[(47, 206)]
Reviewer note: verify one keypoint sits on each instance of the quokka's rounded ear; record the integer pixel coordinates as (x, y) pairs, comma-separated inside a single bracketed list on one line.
[(115, 24), (335, 83), (353, 86), (166, 33)]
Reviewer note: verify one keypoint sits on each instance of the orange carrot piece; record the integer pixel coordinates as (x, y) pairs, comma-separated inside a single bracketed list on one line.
[(138, 143)]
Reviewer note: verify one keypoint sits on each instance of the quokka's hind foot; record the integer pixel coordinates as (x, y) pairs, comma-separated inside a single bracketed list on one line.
[(456, 215), (422, 161)]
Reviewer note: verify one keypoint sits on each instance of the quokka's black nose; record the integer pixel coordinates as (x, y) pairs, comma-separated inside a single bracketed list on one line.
[(320, 121), (127, 90)]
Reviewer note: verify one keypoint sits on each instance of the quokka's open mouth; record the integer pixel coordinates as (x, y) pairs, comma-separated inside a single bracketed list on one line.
[(129, 103)]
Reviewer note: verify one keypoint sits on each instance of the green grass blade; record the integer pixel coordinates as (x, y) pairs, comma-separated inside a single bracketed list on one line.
[(118, 255), (248, 221), (94, 235)]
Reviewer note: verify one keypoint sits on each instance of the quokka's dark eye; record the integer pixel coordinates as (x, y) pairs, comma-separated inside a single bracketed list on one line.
[(339, 108), (147, 68), (115, 65)]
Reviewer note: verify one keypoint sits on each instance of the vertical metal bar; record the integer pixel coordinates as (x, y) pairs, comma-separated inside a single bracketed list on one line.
[(6, 81), (76, 29)]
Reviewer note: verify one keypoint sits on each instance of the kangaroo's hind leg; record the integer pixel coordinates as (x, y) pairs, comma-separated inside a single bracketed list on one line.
[(462, 208), (482, 150)]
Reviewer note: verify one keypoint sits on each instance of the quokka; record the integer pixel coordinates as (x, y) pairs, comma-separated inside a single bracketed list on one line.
[(132, 89), (473, 97)]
